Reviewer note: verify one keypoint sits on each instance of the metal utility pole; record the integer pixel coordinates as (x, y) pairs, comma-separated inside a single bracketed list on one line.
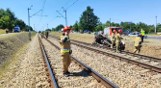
[(65, 11), (47, 26), (110, 22), (156, 25), (66, 22), (65, 17), (29, 21), (29, 16)]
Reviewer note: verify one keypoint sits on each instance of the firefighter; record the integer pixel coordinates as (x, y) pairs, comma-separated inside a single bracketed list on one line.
[(137, 44), (142, 35), (42, 34), (65, 50), (113, 39), (7, 31), (118, 40), (47, 34), (30, 35)]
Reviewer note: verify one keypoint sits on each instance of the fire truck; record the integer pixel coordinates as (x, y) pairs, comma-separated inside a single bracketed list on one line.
[(108, 30)]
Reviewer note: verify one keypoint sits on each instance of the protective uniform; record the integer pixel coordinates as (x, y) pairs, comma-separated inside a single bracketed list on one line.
[(30, 35), (137, 44), (47, 34), (42, 34), (113, 39), (7, 31), (65, 52), (118, 41), (142, 35)]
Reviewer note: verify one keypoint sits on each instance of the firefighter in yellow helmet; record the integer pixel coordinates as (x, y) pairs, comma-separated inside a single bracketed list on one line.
[(137, 44), (65, 50)]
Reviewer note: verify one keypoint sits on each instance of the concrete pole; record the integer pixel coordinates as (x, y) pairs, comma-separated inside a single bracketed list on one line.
[(156, 25)]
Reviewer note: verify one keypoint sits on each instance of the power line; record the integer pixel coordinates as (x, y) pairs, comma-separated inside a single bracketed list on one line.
[(65, 11), (36, 13), (72, 4)]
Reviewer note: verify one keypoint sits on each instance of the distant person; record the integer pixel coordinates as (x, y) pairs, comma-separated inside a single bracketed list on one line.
[(30, 35), (142, 35), (137, 44), (7, 31), (47, 34)]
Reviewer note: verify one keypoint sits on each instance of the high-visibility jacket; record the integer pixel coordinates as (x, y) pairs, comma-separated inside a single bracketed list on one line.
[(142, 32), (65, 44), (113, 37), (118, 38)]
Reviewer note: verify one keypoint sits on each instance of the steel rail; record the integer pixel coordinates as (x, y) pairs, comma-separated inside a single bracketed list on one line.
[(126, 52), (154, 68), (53, 80), (106, 82)]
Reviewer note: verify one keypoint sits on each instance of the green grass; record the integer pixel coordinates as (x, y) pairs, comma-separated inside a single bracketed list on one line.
[(12, 42), (13, 59), (2, 31), (89, 38)]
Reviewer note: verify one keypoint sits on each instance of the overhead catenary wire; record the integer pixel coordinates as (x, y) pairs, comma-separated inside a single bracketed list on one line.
[(72, 4), (65, 11)]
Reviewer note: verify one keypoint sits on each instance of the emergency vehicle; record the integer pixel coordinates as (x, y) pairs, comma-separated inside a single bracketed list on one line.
[(108, 30)]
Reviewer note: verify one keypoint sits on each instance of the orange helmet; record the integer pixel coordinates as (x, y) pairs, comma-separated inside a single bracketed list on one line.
[(114, 31), (66, 28), (120, 31)]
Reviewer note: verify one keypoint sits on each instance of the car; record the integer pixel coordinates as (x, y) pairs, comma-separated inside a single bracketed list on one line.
[(16, 29), (134, 34), (87, 31)]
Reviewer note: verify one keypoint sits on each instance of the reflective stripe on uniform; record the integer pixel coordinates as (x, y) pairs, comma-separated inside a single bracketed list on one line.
[(64, 50)]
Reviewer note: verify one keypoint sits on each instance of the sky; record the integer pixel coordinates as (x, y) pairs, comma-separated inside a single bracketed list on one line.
[(44, 12)]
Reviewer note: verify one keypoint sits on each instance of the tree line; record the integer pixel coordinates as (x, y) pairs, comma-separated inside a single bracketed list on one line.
[(8, 20), (89, 21)]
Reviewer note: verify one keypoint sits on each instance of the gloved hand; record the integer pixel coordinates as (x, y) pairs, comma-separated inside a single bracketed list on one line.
[(65, 39), (70, 51)]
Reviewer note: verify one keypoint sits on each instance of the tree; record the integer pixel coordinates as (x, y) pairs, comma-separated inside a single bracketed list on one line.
[(159, 28), (89, 20), (27, 28), (9, 21), (59, 27), (21, 24), (76, 26), (99, 27)]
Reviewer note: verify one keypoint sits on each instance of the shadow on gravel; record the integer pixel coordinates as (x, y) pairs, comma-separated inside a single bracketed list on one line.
[(82, 73)]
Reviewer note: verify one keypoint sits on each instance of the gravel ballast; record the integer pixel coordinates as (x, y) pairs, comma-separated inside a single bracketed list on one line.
[(28, 71), (126, 75), (78, 78)]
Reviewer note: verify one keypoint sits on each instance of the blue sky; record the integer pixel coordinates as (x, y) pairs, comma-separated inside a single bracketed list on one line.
[(118, 10)]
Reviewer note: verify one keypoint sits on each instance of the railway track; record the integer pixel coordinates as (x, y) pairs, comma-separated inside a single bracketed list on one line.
[(51, 75), (148, 62), (100, 79)]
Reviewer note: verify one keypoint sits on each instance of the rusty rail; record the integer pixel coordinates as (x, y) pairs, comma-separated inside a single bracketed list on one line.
[(53, 80), (106, 82)]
